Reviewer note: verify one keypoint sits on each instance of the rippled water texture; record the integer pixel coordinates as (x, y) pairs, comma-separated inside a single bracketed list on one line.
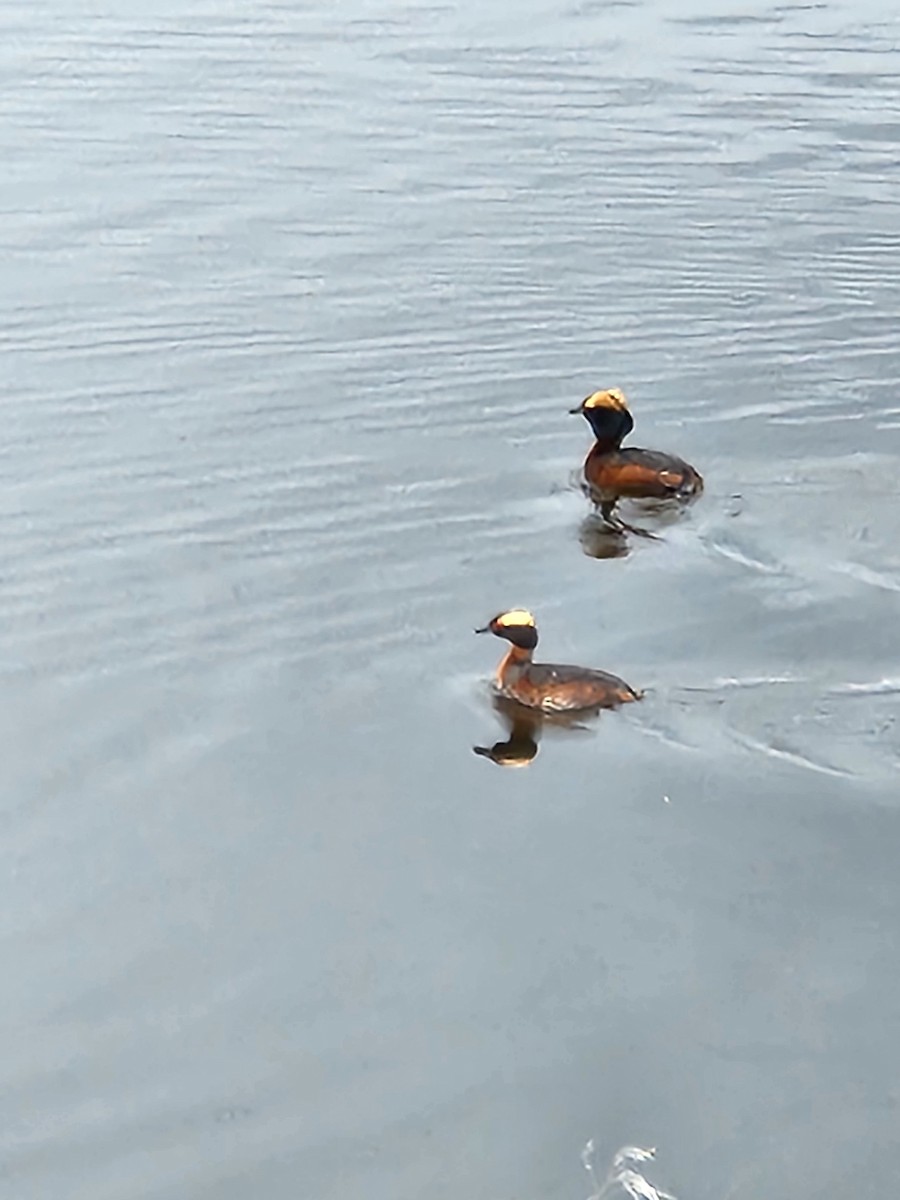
[(295, 300)]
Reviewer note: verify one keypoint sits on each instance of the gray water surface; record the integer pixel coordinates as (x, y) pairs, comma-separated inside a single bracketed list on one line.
[(295, 299)]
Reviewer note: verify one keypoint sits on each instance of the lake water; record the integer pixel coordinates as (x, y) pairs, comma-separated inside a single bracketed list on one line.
[(295, 300)]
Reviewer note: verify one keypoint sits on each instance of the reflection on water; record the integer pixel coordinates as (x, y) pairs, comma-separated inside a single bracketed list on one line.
[(603, 539), (520, 746), (634, 520), (599, 540), (525, 727)]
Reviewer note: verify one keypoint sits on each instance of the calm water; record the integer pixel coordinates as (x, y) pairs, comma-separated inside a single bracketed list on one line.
[(294, 303)]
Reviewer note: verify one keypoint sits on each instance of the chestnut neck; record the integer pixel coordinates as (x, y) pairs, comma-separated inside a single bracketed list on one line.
[(518, 655), (516, 660)]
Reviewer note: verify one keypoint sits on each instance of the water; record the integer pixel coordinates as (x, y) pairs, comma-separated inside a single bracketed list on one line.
[(294, 305)]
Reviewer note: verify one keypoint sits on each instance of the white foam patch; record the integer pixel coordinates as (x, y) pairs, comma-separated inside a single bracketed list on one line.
[(879, 687), (625, 1174)]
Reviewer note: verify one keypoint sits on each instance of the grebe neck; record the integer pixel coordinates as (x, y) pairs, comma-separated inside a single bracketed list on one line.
[(610, 427), (515, 662)]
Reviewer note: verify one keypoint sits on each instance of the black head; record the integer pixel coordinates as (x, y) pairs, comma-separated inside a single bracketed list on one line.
[(607, 414), (517, 626)]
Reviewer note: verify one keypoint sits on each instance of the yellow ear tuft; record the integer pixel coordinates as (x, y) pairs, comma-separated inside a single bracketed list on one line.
[(515, 616), (611, 398)]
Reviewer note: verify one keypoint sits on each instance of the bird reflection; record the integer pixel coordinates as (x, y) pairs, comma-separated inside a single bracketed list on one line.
[(602, 540), (602, 537), (523, 726)]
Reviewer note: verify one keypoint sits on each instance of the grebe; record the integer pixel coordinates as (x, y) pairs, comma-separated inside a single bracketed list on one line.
[(611, 472), (547, 686)]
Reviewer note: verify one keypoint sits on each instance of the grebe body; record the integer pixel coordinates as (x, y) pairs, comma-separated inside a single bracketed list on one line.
[(611, 471), (550, 687)]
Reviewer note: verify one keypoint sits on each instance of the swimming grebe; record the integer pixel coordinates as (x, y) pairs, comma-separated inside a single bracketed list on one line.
[(546, 686), (611, 472)]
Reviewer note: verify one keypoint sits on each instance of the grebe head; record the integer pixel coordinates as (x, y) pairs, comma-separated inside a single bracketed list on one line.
[(607, 414), (516, 625)]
